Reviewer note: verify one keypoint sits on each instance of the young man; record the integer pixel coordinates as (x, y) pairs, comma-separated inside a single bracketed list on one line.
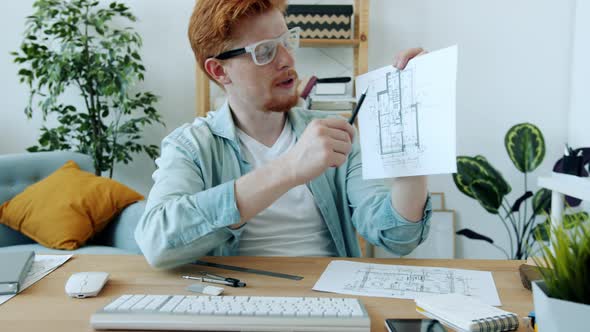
[(259, 177)]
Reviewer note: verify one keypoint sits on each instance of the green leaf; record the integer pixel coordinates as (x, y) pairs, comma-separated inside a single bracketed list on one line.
[(574, 220), (44, 139), (568, 257), (542, 201), (25, 72), (468, 233), (497, 178), (470, 169), (541, 231), (520, 200), (525, 145), (487, 195)]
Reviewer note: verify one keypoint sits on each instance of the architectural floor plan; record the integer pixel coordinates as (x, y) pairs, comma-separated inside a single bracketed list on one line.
[(398, 114), (407, 122), (402, 281), (406, 282)]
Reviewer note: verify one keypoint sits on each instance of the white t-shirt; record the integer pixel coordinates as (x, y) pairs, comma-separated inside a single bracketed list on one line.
[(292, 225)]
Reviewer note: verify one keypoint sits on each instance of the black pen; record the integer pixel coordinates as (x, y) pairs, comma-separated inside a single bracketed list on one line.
[(218, 280), (358, 107)]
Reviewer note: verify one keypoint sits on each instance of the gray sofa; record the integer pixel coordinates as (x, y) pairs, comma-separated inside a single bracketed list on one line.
[(17, 171)]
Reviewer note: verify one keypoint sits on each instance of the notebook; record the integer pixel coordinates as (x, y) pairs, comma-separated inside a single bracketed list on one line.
[(465, 313), (14, 267)]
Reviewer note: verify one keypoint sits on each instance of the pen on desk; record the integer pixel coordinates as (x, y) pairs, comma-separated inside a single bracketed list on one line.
[(358, 107), (235, 282), (204, 279), (228, 281)]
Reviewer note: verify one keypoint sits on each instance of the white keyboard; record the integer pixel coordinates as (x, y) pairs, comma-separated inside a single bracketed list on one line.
[(232, 313)]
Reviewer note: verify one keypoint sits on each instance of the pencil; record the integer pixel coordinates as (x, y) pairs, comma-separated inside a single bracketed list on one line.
[(358, 107)]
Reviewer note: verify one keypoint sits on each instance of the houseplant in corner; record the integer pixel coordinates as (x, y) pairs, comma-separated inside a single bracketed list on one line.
[(478, 179), (79, 45), (562, 297)]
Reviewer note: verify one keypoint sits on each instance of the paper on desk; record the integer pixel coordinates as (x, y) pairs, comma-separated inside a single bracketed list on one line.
[(407, 121), (405, 282), (42, 266)]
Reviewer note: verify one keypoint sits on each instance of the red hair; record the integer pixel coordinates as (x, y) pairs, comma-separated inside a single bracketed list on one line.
[(213, 22)]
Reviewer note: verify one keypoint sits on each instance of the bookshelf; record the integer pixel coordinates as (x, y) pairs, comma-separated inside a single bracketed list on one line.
[(562, 185), (359, 43)]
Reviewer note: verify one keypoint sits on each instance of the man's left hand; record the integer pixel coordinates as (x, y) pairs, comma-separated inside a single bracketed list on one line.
[(402, 58)]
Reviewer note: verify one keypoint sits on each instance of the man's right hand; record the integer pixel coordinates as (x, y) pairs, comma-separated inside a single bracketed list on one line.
[(324, 143)]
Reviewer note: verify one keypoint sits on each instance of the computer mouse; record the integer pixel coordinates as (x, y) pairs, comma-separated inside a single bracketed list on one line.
[(86, 284)]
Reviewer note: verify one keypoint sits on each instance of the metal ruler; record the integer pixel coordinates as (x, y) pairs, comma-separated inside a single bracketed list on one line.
[(247, 270)]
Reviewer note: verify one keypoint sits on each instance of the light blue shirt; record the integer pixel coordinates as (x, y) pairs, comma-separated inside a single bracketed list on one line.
[(192, 202)]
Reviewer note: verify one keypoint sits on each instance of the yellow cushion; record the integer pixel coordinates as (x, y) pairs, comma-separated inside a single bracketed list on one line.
[(67, 208)]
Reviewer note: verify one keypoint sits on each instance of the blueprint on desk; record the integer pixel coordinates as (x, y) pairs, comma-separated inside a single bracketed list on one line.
[(407, 121), (405, 282)]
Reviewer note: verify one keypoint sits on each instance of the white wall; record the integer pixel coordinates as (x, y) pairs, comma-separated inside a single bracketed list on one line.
[(579, 120), (514, 66)]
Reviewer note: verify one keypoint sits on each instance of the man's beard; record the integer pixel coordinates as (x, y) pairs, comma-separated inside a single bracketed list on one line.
[(283, 103)]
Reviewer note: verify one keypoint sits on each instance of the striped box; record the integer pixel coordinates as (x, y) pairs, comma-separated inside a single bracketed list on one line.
[(321, 21)]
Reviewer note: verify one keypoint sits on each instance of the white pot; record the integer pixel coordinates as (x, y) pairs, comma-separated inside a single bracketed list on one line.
[(553, 315)]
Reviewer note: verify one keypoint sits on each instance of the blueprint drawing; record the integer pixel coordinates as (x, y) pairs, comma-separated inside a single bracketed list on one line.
[(407, 122), (405, 282)]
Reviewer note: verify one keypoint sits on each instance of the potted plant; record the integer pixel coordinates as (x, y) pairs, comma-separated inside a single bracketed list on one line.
[(562, 297), (83, 46), (478, 179)]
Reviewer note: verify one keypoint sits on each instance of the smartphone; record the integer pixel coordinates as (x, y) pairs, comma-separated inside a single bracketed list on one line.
[(414, 325)]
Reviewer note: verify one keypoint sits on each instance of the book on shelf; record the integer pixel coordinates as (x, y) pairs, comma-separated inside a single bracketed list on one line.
[(343, 103), (327, 94)]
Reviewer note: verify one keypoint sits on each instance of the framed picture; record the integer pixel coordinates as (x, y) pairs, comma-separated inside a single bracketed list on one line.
[(438, 201), (440, 243)]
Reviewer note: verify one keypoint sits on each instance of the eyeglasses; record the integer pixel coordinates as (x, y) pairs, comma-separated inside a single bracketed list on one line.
[(264, 51)]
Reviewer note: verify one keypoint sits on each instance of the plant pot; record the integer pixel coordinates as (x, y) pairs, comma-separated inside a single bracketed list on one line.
[(554, 315)]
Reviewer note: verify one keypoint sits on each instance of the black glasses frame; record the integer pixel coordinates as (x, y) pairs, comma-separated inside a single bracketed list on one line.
[(231, 53), (243, 50)]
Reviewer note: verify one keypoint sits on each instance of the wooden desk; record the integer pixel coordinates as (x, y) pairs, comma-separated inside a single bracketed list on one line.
[(45, 306)]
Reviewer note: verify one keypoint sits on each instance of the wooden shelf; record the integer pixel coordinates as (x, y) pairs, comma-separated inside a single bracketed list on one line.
[(329, 42), (569, 185)]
